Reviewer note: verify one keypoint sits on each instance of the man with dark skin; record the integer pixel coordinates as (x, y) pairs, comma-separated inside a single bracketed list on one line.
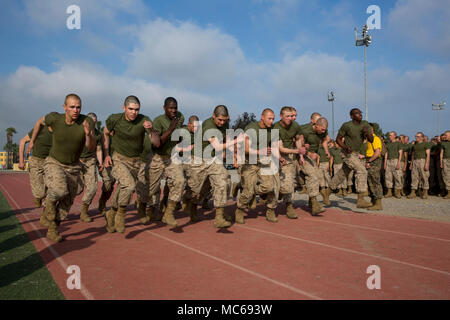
[(350, 138)]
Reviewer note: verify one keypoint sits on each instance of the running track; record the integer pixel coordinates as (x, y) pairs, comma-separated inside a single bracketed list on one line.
[(309, 258)]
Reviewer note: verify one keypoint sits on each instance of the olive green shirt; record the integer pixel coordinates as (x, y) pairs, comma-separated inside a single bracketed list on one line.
[(337, 155), (312, 138), (393, 148), (147, 148), (98, 139), (161, 124), (43, 143), (68, 141), (445, 145), (288, 134), (210, 124), (254, 130), (420, 150), (322, 155), (353, 134), (128, 135)]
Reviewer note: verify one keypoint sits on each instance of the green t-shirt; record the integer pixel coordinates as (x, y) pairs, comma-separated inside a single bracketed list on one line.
[(288, 134), (363, 149), (393, 148), (207, 125), (337, 155), (353, 134), (435, 149), (161, 124), (42, 144), (254, 131), (312, 138), (68, 141), (445, 145), (98, 139), (420, 150), (322, 155), (128, 135)]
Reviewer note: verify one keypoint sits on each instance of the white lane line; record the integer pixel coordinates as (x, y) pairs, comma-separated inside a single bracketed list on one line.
[(347, 250), (84, 291)]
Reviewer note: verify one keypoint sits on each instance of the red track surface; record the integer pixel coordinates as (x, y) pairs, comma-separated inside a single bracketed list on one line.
[(309, 258)]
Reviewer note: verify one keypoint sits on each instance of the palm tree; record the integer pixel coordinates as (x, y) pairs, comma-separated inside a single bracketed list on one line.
[(9, 135)]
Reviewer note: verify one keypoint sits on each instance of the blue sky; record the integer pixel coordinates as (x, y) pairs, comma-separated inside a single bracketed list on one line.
[(247, 55)]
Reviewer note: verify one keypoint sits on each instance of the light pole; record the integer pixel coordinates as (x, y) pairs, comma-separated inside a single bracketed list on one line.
[(331, 99), (364, 41), (437, 107)]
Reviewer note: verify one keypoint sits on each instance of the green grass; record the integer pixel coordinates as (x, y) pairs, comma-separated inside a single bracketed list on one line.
[(23, 275)]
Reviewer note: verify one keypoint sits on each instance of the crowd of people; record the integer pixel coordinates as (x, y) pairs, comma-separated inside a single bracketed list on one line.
[(273, 159)]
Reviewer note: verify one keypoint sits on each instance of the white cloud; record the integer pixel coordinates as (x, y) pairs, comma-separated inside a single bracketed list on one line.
[(424, 24)]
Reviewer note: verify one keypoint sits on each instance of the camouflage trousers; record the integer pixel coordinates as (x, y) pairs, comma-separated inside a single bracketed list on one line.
[(254, 182), (175, 180), (205, 193), (130, 176), (36, 167), (64, 183), (392, 176), (300, 176), (287, 179), (312, 176), (90, 178), (419, 177), (446, 173), (108, 180), (324, 174), (374, 179), (350, 177), (343, 184), (351, 162), (200, 171)]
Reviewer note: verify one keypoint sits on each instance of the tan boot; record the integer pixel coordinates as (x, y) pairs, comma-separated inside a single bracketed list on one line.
[(376, 206), (344, 192), (168, 217), (43, 220), (152, 214), (361, 203), (141, 211), (219, 221), (253, 202), (84, 216), (316, 208), (192, 209), (110, 218), (37, 202), (270, 215), (349, 190), (50, 211), (205, 204), (325, 192), (52, 232), (388, 193), (304, 190), (119, 219), (412, 195), (425, 194), (397, 193), (290, 212), (340, 192), (239, 216)]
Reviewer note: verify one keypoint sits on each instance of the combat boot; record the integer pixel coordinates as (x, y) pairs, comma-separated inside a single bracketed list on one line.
[(270, 215), (349, 190), (403, 192), (110, 219), (43, 220), (388, 193), (304, 190), (397, 193), (316, 208), (37, 202), (205, 204), (52, 232), (344, 192), (168, 217), (192, 209), (102, 204), (376, 206), (253, 202), (235, 188), (442, 194), (340, 192), (425, 194), (361, 203), (290, 212), (152, 214), (325, 192), (219, 221), (119, 219), (239, 216), (50, 211), (163, 204), (141, 211), (412, 195), (84, 216)]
